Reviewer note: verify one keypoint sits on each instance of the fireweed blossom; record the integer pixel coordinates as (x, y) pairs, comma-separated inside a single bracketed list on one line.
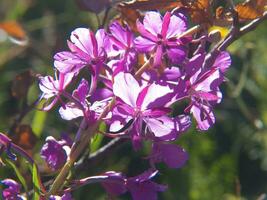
[(52, 88), (161, 36), (141, 187), (82, 107), (146, 104), (141, 106), (55, 152), (203, 87), (86, 49), (11, 190), (121, 46)]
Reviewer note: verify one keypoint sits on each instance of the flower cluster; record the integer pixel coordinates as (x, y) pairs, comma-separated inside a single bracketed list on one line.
[(141, 77)]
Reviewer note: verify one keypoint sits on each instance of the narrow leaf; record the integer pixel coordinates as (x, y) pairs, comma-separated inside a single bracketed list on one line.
[(36, 183), (19, 175)]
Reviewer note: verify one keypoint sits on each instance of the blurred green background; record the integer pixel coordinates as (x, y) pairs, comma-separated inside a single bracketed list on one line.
[(228, 162)]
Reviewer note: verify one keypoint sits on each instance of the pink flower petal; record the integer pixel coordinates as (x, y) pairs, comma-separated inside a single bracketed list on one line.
[(223, 61), (81, 37), (153, 22), (127, 88), (177, 25)]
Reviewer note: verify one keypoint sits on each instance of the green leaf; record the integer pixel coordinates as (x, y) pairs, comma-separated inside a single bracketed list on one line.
[(36, 184), (38, 122), (96, 141), (19, 175)]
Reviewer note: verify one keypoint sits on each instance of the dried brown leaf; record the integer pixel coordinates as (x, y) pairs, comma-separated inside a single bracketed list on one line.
[(250, 9), (24, 137)]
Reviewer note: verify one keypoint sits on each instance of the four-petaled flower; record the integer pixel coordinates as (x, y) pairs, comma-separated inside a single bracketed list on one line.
[(161, 36)]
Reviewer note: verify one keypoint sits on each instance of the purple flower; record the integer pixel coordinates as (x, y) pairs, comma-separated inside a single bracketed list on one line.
[(53, 87), (55, 152), (12, 191), (142, 188), (85, 49), (121, 44), (145, 104), (171, 154), (81, 107), (115, 183), (161, 36), (203, 87)]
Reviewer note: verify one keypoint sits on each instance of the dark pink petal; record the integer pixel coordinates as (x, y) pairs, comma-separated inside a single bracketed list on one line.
[(158, 56), (141, 96), (223, 61), (94, 43), (176, 54), (153, 22), (127, 88), (209, 96), (194, 64), (165, 24), (136, 135), (100, 94), (171, 74), (173, 155), (82, 91)]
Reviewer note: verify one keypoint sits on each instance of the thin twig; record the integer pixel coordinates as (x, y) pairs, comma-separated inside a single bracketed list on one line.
[(230, 38), (99, 154), (105, 17)]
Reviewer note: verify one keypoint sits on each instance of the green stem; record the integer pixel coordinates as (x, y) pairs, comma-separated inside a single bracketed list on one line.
[(77, 149)]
